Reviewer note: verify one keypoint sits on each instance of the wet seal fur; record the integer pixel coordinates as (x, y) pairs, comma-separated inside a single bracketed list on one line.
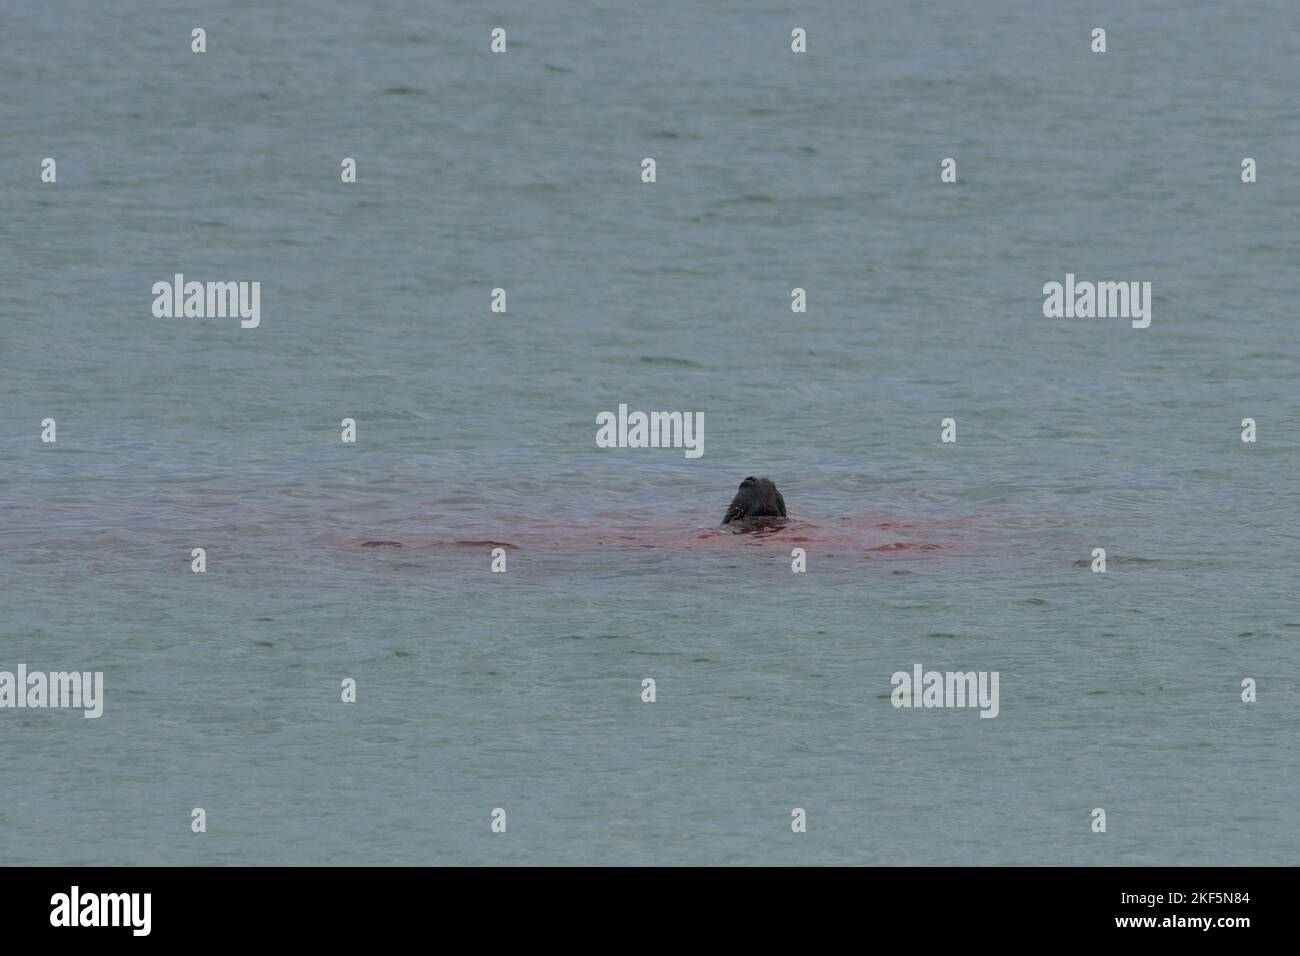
[(757, 498)]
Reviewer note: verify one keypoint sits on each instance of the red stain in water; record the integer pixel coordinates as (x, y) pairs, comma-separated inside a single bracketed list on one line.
[(867, 535)]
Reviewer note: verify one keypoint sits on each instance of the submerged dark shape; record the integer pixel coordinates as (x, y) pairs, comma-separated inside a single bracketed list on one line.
[(757, 498)]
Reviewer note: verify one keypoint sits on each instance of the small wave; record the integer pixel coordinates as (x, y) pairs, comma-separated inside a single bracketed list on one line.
[(907, 546)]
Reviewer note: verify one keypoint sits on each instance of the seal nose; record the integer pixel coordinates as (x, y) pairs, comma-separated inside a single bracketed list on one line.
[(748, 482)]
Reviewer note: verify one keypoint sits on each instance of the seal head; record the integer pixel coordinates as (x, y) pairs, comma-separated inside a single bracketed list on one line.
[(757, 498)]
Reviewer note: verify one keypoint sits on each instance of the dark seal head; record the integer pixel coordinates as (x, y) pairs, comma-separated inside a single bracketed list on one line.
[(757, 498)]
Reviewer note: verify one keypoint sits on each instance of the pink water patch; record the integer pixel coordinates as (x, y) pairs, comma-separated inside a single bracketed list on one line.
[(868, 535)]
